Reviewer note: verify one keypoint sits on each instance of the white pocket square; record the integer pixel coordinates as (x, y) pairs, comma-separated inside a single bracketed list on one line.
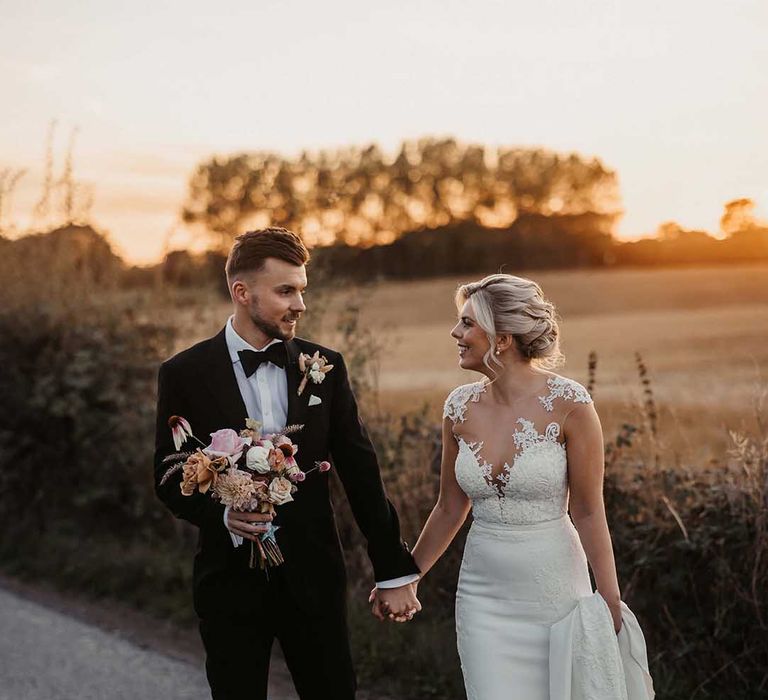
[(314, 400)]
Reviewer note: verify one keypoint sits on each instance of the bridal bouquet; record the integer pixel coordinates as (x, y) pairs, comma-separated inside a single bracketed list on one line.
[(245, 471)]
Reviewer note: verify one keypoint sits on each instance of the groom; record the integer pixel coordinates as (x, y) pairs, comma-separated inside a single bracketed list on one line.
[(250, 369)]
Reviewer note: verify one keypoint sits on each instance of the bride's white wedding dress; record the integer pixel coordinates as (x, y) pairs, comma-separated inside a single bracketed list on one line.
[(527, 622)]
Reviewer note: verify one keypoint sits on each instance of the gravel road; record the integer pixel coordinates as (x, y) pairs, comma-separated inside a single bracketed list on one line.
[(47, 655)]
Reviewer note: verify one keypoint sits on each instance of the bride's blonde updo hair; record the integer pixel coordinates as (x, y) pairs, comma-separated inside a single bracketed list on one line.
[(510, 305)]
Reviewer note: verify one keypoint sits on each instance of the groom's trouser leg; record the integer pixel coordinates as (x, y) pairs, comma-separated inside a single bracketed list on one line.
[(316, 649), (237, 651)]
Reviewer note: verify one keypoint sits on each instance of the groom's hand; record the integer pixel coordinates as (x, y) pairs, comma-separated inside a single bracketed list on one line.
[(248, 525), (397, 604)]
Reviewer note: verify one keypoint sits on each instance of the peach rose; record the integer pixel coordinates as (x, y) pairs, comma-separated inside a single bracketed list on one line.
[(189, 479), (280, 491), (200, 472)]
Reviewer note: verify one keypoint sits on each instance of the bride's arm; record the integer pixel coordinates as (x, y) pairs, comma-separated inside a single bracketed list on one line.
[(449, 512), (586, 465)]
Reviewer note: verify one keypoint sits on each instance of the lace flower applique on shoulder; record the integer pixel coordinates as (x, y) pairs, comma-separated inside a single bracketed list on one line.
[(456, 403), (564, 388)]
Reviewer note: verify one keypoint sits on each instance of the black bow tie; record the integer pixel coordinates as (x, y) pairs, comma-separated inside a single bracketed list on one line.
[(251, 359)]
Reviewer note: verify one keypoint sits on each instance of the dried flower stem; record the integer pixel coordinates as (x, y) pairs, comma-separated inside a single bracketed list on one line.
[(649, 406), (592, 372), (175, 468), (649, 401), (176, 455), (290, 429)]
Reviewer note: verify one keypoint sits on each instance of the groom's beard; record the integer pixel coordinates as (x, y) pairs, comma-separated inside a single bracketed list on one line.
[(272, 329)]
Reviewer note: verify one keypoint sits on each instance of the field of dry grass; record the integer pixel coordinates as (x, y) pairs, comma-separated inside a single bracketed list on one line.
[(703, 333)]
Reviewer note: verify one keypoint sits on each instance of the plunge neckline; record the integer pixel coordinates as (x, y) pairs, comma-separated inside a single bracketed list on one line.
[(525, 434), (528, 437), (525, 437)]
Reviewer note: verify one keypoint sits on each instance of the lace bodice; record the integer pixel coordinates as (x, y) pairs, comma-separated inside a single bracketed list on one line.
[(532, 484)]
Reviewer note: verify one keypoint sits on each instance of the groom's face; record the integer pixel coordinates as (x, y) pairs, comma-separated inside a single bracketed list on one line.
[(274, 297)]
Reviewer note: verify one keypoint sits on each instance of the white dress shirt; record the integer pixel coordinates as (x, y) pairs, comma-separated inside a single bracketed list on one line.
[(265, 394)]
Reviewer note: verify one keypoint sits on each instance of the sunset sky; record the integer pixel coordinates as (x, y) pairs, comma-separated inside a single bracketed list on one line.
[(673, 95)]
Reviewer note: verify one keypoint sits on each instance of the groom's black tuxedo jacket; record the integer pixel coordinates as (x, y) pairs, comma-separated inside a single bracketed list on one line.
[(199, 384)]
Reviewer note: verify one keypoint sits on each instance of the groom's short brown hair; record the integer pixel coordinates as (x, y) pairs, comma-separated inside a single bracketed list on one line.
[(251, 250)]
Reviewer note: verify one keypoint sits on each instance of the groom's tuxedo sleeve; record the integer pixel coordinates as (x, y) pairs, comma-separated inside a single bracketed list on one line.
[(357, 466), (199, 509)]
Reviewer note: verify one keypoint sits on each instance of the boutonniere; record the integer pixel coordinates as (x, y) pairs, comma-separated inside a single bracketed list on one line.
[(312, 368)]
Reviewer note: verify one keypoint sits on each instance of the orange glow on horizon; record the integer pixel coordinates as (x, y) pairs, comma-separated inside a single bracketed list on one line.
[(678, 113)]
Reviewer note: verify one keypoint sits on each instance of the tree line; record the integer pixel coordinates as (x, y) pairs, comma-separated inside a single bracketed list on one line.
[(359, 196), (437, 207), (535, 241)]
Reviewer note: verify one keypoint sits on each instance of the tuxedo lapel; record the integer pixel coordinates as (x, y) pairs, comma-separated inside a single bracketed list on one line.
[(297, 405), (222, 383)]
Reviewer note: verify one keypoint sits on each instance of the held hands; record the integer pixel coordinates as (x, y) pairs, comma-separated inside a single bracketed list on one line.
[(248, 525), (397, 604)]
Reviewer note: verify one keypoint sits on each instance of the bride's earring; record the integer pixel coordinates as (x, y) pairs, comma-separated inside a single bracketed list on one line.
[(498, 352)]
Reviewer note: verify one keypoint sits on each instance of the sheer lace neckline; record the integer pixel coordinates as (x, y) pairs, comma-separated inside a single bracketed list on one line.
[(526, 438), (525, 434)]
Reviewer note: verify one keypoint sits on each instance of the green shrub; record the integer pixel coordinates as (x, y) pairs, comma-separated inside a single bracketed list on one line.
[(692, 555), (77, 436)]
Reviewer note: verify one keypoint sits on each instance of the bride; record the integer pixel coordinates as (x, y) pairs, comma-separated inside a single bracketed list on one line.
[(523, 450)]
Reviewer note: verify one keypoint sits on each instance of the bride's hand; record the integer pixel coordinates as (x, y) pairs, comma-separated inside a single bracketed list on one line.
[(615, 609)]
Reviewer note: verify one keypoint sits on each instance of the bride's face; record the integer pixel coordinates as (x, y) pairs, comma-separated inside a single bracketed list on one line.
[(471, 339)]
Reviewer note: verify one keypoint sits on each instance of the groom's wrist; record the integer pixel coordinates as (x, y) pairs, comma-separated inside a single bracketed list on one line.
[(398, 582)]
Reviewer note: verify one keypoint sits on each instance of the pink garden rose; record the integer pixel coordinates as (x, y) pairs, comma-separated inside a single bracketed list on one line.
[(227, 443)]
